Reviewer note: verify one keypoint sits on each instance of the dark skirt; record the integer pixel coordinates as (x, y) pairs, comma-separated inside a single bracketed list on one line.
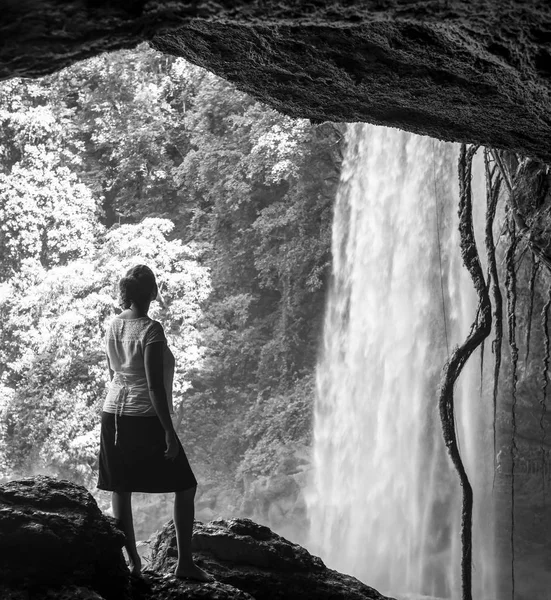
[(136, 463)]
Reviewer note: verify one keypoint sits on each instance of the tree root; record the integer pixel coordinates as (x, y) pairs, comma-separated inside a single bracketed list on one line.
[(479, 331), (493, 186), (538, 246), (531, 287), (510, 285), (545, 382)]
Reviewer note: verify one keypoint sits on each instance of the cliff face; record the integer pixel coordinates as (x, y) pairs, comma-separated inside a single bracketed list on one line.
[(56, 544), (465, 71)]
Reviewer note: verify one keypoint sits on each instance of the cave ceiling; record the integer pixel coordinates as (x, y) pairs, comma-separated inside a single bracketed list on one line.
[(464, 71)]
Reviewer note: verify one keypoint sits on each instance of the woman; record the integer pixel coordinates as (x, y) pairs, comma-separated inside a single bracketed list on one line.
[(139, 448)]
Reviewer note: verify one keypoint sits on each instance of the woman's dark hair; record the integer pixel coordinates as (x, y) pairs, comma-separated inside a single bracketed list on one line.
[(138, 286)]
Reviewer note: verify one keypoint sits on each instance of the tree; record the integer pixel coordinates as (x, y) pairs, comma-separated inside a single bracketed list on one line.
[(46, 212), (243, 256), (56, 319)]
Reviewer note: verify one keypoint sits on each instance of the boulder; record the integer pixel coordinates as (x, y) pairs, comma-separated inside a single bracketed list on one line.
[(49, 593), (254, 559), (151, 587), (55, 544), (52, 533), (155, 586)]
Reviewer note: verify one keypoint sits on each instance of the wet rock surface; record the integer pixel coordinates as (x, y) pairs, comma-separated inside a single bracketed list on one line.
[(55, 543), (254, 559), (434, 75), (151, 587), (478, 72), (154, 586), (52, 533)]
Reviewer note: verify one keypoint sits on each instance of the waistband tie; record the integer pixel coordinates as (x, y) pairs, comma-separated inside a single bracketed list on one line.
[(120, 400)]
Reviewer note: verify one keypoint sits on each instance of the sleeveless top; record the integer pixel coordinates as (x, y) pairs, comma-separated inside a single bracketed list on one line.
[(125, 343)]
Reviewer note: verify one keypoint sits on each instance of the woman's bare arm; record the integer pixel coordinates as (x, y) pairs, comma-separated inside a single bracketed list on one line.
[(111, 372), (153, 361)]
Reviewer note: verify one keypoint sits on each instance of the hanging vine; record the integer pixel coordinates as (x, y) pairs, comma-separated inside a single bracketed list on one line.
[(545, 383), (493, 186), (510, 286), (531, 287), (481, 368), (528, 183), (537, 242), (479, 331)]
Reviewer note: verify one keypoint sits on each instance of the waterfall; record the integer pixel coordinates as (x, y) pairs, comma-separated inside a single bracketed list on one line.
[(384, 503)]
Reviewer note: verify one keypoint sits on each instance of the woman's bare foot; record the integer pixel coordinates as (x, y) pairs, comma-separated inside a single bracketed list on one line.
[(135, 566), (192, 571)]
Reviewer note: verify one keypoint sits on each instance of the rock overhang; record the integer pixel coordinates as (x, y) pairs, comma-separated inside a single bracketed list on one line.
[(462, 71)]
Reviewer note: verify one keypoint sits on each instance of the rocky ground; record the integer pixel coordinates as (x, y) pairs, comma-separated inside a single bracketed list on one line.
[(55, 543)]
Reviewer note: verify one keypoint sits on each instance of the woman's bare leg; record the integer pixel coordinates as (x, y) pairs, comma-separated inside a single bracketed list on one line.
[(184, 512), (122, 511)]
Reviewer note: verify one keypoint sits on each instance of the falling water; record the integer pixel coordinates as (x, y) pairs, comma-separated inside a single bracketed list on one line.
[(384, 505)]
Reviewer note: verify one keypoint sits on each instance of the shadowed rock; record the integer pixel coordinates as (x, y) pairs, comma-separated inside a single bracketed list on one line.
[(155, 586), (464, 71), (44, 593), (55, 544), (52, 533), (253, 558)]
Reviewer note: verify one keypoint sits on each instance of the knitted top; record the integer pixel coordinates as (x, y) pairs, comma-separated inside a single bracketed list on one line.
[(125, 344)]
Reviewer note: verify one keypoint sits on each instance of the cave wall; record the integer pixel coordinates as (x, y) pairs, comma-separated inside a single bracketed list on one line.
[(456, 70)]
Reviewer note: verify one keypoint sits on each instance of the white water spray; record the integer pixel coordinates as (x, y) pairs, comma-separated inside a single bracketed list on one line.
[(385, 502)]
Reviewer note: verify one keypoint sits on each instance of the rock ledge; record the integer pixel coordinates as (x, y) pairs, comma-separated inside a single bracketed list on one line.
[(55, 544)]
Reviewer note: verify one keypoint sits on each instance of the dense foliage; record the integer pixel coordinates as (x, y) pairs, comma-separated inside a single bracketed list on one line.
[(140, 157)]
